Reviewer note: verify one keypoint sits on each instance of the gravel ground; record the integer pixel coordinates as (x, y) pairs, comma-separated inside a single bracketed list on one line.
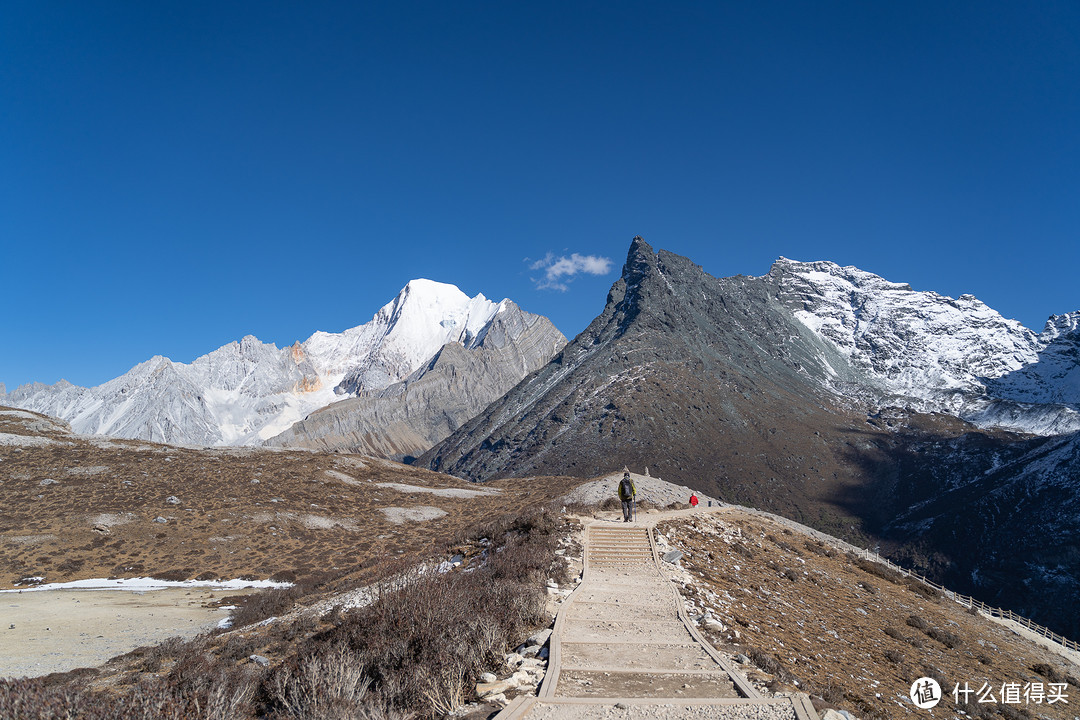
[(673, 711), (657, 491)]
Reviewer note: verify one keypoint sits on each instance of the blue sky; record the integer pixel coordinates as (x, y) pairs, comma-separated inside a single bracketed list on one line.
[(174, 176)]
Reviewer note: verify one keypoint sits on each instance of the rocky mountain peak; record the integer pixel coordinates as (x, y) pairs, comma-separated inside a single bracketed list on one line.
[(1060, 326), (247, 391), (640, 261)]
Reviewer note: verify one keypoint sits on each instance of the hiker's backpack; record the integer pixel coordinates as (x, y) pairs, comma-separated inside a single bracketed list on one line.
[(626, 489)]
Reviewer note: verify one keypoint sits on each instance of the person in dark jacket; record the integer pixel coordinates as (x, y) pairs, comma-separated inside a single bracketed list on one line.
[(627, 493)]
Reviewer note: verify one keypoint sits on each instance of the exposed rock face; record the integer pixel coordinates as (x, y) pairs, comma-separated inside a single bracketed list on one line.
[(248, 391), (827, 395), (674, 373), (936, 354), (405, 419)]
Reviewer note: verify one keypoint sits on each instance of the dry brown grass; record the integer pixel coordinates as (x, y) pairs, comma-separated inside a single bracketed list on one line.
[(854, 634), (417, 649), (243, 513)]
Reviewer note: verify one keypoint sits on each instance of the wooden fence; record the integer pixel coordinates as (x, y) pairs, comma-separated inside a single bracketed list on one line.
[(968, 601), (965, 600)]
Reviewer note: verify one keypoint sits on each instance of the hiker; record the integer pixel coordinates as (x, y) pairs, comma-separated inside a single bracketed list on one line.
[(693, 500), (627, 492)]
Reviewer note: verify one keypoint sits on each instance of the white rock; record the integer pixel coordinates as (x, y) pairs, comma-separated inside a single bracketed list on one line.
[(539, 638)]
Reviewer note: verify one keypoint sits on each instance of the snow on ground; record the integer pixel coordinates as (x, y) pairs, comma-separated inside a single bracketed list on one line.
[(440, 492), (145, 584)]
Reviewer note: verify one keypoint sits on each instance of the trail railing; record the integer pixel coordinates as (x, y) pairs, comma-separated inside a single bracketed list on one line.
[(970, 602), (965, 600)]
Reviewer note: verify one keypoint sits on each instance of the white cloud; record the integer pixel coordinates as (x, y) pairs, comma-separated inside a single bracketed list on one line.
[(559, 271)]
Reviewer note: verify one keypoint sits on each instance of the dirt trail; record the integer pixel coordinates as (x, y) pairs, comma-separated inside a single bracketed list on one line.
[(623, 647)]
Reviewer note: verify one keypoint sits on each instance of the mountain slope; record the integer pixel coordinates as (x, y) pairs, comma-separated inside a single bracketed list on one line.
[(245, 392), (690, 375), (404, 419), (771, 393), (936, 354)]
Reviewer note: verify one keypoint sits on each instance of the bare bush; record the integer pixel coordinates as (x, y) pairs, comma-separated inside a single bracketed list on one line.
[(264, 604), (930, 593), (946, 638), (326, 686), (917, 622), (895, 633), (882, 571)]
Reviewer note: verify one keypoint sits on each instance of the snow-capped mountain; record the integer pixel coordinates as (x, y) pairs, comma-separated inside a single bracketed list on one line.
[(248, 391), (806, 392), (934, 353)]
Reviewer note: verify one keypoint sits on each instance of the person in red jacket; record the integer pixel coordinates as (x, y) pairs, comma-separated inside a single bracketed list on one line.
[(693, 500)]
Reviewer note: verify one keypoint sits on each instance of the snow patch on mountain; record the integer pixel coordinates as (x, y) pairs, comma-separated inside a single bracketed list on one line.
[(248, 391), (939, 354)]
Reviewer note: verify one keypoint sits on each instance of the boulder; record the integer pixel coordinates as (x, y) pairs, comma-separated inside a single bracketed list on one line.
[(833, 714), (539, 638), (499, 687)]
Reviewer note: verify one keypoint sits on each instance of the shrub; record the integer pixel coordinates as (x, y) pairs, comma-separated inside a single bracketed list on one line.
[(917, 622), (788, 547), (177, 574), (894, 656), (895, 633), (770, 664), (324, 686), (426, 636), (819, 547), (1049, 672), (923, 589), (882, 571), (946, 638), (741, 549), (264, 604)]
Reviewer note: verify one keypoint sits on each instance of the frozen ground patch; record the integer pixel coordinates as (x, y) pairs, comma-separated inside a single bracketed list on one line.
[(29, 539), (111, 519), (440, 492), (90, 470), (10, 440), (347, 479), (420, 513), (320, 522)]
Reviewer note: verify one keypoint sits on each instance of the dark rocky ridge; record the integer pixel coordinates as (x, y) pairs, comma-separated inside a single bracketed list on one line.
[(713, 383)]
